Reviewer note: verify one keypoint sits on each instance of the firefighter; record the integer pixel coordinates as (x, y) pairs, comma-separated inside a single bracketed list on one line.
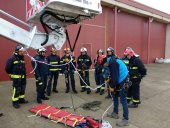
[(137, 71), (84, 62), (41, 74), (15, 67), (110, 54), (98, 71), (125, 58), (68, 70), (116, 82), (53, 60)]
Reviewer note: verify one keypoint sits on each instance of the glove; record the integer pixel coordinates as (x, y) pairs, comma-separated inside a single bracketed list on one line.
[(111, 89), (84, 66)]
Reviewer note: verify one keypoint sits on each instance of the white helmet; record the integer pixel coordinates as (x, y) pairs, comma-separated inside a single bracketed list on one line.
[(42, 49), (83, 49)]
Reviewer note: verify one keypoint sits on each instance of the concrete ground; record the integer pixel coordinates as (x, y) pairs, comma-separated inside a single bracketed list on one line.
[(153, 112)]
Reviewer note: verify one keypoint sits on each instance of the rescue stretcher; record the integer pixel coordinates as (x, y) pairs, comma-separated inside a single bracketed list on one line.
[(60, 116)]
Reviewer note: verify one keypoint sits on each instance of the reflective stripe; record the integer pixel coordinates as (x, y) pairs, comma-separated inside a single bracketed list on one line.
[(53, 62), (17, 76), (16, 62), (21, 96), (136, 101), (55, 69), (128, 98), (126, 61), (40, 83), (102, 88), (13, 96), (133, 67), (87, 86), (83, 86), (82, 70)]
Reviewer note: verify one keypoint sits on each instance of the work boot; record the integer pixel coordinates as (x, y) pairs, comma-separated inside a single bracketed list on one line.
[(39, 101), (122, 123), (88, 91), (74, 91), (98, 90), (133, 105), (67, 91), (113, 115), (45, 98), (23, 101), (101, 92), (56, 91), (48, 93), (83, 90), (16, 105), (1, 114)]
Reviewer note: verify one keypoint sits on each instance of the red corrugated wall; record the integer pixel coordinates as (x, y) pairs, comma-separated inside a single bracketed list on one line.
[(132, 30)]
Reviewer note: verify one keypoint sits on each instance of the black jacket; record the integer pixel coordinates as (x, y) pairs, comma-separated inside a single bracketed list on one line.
[(84, 62), (15, 65), (136, 68), (41, 67), (54, 60)]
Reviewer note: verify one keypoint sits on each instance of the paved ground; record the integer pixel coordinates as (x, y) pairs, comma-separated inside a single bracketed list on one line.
[(154, 111)]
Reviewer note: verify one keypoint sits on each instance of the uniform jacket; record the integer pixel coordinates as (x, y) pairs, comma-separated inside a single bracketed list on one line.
[(136, 68), (54, 60), (41, 67), (84, 62)]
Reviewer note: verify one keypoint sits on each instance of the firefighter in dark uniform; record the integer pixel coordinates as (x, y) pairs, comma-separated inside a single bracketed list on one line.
[(53, 60), (15, 67), (110, 55), (84, 62), (41, 74), (98, 72), (137, 71), (68, 70)]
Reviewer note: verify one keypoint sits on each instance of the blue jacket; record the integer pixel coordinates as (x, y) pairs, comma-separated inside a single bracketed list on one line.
[(118, 71)]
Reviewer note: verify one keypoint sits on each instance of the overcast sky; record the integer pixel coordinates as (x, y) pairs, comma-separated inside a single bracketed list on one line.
[(163, 5)]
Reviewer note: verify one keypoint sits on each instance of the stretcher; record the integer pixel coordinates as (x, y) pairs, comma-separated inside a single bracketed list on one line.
[(61, 116)]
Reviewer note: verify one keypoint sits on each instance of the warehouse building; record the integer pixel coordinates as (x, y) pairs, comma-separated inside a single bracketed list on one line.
[(122, 23)]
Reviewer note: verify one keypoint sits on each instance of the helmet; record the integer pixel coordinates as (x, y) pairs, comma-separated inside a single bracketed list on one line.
[(100, 51), (19, 48), (129, 52), (110, 49), (42, 49), (83, 49), (67, 50), (53, 49)]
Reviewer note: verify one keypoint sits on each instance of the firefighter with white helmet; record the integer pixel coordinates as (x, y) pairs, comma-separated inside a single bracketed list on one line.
[(41, 74), (137, 71), (84, 62), (53, 59), (16, 69), (68, 70), (98, 71)]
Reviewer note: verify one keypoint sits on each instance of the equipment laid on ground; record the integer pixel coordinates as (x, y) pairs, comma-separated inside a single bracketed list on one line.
[(54, 15), (60, 116)]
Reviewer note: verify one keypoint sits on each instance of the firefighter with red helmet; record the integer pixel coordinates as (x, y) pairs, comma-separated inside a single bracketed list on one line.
[(15, 67), (68, 70), (53, 59), (84, 62), (98, 71), (137, 71), (41, 74)]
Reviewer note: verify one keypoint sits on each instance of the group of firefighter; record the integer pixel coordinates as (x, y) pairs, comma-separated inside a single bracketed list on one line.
[(121, 75)]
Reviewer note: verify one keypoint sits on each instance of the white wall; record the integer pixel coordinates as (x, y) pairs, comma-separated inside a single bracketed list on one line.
[(167, 47)]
